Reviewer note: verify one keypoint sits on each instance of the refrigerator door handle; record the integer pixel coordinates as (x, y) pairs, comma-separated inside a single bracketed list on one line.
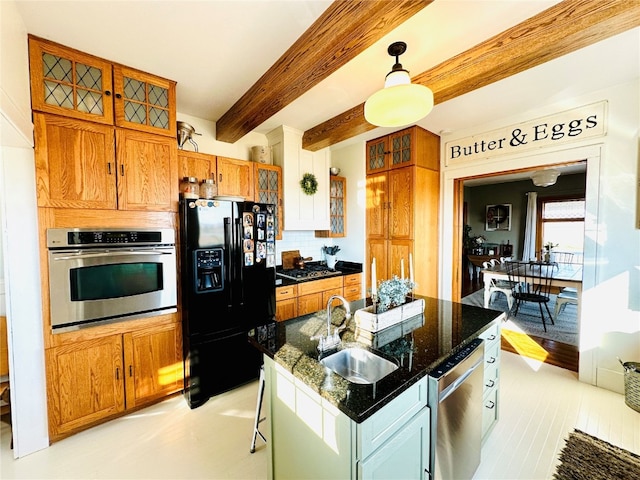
[(229, 261), (239, 261)]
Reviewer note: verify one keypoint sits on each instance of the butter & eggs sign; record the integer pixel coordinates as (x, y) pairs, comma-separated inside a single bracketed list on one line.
[(571, 125)]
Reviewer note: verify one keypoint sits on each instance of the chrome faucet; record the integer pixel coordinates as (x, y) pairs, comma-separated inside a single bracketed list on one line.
[(332, 340)]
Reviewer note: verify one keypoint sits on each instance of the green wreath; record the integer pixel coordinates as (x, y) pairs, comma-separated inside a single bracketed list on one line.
[(309, 183)]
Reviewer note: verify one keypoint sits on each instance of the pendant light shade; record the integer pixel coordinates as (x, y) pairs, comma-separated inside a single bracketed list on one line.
[(545, 178), (400, 102)]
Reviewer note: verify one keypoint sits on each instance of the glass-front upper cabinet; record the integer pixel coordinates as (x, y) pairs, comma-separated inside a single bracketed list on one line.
[(144, 102), (67, 82), (74, 84)]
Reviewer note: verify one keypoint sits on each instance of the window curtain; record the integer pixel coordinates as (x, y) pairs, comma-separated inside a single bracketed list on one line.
[(529, 249)]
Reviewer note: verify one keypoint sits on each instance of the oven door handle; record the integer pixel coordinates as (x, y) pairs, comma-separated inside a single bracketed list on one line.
[(109, 253)]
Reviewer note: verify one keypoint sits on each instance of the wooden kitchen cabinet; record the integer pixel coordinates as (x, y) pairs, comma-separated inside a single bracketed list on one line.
[(92, 380), (194, 164), (286, 302), (147, 165), (85, 384), (402, 206), (268, 189), (144, 102), (408, 147), (313, 295), (75, 163), (153, 363), (235, 177), (67, 82), (86, 165), (337, 209)]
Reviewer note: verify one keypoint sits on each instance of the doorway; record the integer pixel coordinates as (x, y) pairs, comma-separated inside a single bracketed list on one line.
[(474, 194)]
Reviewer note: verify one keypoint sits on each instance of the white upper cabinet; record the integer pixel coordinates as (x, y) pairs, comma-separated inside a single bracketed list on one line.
[(301, 211)]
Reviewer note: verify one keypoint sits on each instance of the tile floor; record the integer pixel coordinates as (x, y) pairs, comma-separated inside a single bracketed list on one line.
[(540, 405)]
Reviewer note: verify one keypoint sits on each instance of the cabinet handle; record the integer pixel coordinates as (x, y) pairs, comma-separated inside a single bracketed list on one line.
[(490, 384), (109, 167), (131, 370), (491, 337), (107, 93), (490, 405), (117, 373), (122, 170), (491, 360), (389, 205), (219, 178)]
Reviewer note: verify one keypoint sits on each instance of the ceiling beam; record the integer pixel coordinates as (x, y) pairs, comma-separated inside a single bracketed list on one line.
[(344, 30), (561, 29)]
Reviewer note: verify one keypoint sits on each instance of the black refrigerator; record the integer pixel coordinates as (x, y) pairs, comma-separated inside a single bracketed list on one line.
[(228, 288)]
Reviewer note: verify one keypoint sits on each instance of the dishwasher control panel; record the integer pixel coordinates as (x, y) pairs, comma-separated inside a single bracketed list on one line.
[(456, 358)]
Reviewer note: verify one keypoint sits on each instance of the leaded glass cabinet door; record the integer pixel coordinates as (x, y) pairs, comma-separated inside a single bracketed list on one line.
[(144, 102), (401, 145), (70, 83), (268, 189), (377, 152), (337, 206)]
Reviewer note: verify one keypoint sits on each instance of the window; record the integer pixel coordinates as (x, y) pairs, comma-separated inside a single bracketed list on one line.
[(561, 222)]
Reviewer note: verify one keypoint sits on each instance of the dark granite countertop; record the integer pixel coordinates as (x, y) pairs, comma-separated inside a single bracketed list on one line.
[(418, 344)]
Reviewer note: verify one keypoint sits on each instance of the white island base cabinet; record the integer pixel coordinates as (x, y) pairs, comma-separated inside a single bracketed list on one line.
[(308, 437)]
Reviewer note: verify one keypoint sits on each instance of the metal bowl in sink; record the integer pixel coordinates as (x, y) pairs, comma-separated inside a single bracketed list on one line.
[(358, 365)]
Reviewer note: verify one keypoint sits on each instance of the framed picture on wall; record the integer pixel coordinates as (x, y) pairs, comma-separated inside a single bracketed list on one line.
[(498, 217)]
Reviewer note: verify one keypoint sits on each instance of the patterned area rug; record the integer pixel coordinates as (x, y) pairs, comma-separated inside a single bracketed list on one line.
[(585, 457), (528, 320)]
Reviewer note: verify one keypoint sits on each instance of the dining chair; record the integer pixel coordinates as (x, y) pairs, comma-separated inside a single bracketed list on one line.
[(500, 286), (563, 298), (531, 283)]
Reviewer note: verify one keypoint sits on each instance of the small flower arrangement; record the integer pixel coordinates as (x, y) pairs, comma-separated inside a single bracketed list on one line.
[(392, 293), (550, 246)]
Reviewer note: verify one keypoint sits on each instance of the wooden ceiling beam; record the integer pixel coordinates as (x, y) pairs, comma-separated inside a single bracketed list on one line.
[(566, 27), (344, 30)]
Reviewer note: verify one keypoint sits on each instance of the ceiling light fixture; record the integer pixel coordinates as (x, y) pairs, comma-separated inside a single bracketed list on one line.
[(545, 178), (400, 102)]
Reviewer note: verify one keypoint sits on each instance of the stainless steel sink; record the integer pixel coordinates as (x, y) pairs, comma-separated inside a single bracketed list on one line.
[(358, 365)]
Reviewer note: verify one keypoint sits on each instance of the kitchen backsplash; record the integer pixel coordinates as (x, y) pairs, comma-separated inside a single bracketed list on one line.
[(306, 242)]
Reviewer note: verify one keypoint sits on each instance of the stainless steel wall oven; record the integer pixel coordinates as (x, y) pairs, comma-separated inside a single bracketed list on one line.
[(104, 276)]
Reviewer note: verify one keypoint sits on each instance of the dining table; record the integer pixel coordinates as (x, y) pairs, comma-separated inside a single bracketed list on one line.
[(564, 275)]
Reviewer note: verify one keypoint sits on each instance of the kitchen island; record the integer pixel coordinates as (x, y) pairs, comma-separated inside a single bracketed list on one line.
[(319, 425)]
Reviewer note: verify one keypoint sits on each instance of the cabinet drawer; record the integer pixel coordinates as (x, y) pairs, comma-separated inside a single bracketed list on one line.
[(283, 293), (316, 286), (375, 431), (286, 309), (328, 293), (355, 279), (490, 335), (489, 411), (352, 293), (492, 355)]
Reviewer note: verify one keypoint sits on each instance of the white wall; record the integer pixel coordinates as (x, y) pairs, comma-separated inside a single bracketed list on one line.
[(18, 218), (610, 312)]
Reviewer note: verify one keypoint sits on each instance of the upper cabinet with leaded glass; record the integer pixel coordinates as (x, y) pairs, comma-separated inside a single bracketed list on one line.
[(70, 83), (74, 84), (144, 102), (408, 147)]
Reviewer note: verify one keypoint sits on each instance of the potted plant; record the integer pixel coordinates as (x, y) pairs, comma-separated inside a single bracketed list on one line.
[(548, 247), (330, 253)]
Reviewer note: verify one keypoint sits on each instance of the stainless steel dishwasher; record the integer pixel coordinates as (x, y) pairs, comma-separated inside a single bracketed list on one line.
[(455, 399)]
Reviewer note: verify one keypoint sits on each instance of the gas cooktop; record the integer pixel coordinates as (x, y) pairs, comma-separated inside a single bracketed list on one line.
[(308, 272)]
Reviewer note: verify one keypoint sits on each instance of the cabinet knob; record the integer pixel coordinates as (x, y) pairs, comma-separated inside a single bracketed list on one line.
[(107, 93), (118, 95)]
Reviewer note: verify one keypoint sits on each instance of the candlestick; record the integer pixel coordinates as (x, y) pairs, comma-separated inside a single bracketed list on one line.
[(374, 288), (410, 268), (402, 268)]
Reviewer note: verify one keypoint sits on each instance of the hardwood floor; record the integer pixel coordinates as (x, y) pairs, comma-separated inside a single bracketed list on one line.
[(548, 351), (539, 405)]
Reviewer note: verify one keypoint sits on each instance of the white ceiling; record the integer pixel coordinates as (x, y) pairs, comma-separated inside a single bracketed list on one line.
[(217, 49)]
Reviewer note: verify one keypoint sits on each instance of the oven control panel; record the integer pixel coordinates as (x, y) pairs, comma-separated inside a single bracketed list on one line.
[(79, 237)]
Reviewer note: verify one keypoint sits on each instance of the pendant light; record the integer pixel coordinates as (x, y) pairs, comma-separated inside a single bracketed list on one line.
[(400, 102), (545, 178)]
